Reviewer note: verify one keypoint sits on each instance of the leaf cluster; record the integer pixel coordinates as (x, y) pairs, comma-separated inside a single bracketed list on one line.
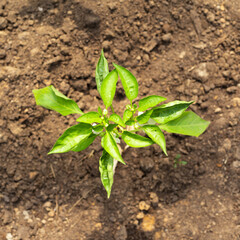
[(146, 115)]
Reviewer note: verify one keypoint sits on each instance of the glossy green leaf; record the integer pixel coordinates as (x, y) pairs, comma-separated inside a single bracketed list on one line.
[(97, 128), (52, 99), (144, 117), (189, 123), (85, 143), (169, 111), (129, 82), (108, 88), (111, 127), (127, 115), (135, 140), (101, 71), (149, 102), (117, 119), (156, 135), (90, 117), (106, 171), (71, 138), (110, 145), (130, 122)]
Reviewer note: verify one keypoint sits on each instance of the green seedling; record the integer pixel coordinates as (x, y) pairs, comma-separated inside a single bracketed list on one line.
[(145, 115), (178, 162)]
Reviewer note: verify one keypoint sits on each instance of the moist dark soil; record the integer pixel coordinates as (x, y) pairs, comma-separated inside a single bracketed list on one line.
[(186, 50)]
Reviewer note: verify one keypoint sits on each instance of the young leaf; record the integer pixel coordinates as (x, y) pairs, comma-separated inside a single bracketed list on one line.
[(149, 102), (111, 127), (101, 71), (71, 138), (156, 135), (144, 117), (108, 88), (109, 144), (52, 99), (170, 111), (90, 117), (130, 122), (100, 111), (106, 171), (135, 140), (187, 124), (97, 128), (117, 119), (129, 82), (85, 143), (127, 115)]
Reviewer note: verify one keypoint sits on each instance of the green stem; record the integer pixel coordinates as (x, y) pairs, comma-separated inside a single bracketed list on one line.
[(112, 108)]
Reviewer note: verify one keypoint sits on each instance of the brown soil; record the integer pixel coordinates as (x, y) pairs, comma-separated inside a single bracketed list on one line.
[(187, 50)]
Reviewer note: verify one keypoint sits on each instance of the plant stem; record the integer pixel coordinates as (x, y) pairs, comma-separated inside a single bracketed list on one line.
[(112, 108)]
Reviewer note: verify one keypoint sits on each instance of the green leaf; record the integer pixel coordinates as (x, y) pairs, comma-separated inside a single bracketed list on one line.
[(101, 71), (156, 135), (108, 88), (117, 119), (144, 117), (170, 111), (52, 99), (129, 82), (111, 127), (71, 138), (106, 171), (90, 117), (127, 115), (130, 122), (100, 111), (149, 102), (187, 124), (109, 144), (98, 128), (135, 140), (85, 143)]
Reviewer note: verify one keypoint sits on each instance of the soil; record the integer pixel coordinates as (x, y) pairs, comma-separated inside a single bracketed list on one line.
[(187, 50)]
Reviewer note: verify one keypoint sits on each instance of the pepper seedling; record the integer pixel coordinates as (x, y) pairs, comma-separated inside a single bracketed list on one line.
[(146, 115)]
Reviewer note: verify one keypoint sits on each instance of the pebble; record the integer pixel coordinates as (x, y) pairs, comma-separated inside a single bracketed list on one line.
[(236, 164), (9, 236), (3, 23), (143, 206), (148, 223), (9, 72), (33, 175), (2, 54), (140, 215), (167, 38), (47, 204), (121, 233), (51, 213), (227, 144), (146, 164)]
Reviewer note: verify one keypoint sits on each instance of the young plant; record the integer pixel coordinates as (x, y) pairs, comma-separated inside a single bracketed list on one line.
[(147, 117), (178, 162)]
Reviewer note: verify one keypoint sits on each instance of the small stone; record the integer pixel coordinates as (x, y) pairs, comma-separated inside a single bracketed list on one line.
[(106, 45), (121, 233), (167, 38), (236, 164), (2, 54), (166, 28), (140, 215), (112, 6), (33, 175), (236, 102), (47, 204), (148, 223), (210, 17), (218, 110), (150, 45), (146, 164), (92, 20), (143, 206), (3, 23), (9, 72), (227, 144), (9, 236), (51, 213), (154, 199), (7, 217)]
